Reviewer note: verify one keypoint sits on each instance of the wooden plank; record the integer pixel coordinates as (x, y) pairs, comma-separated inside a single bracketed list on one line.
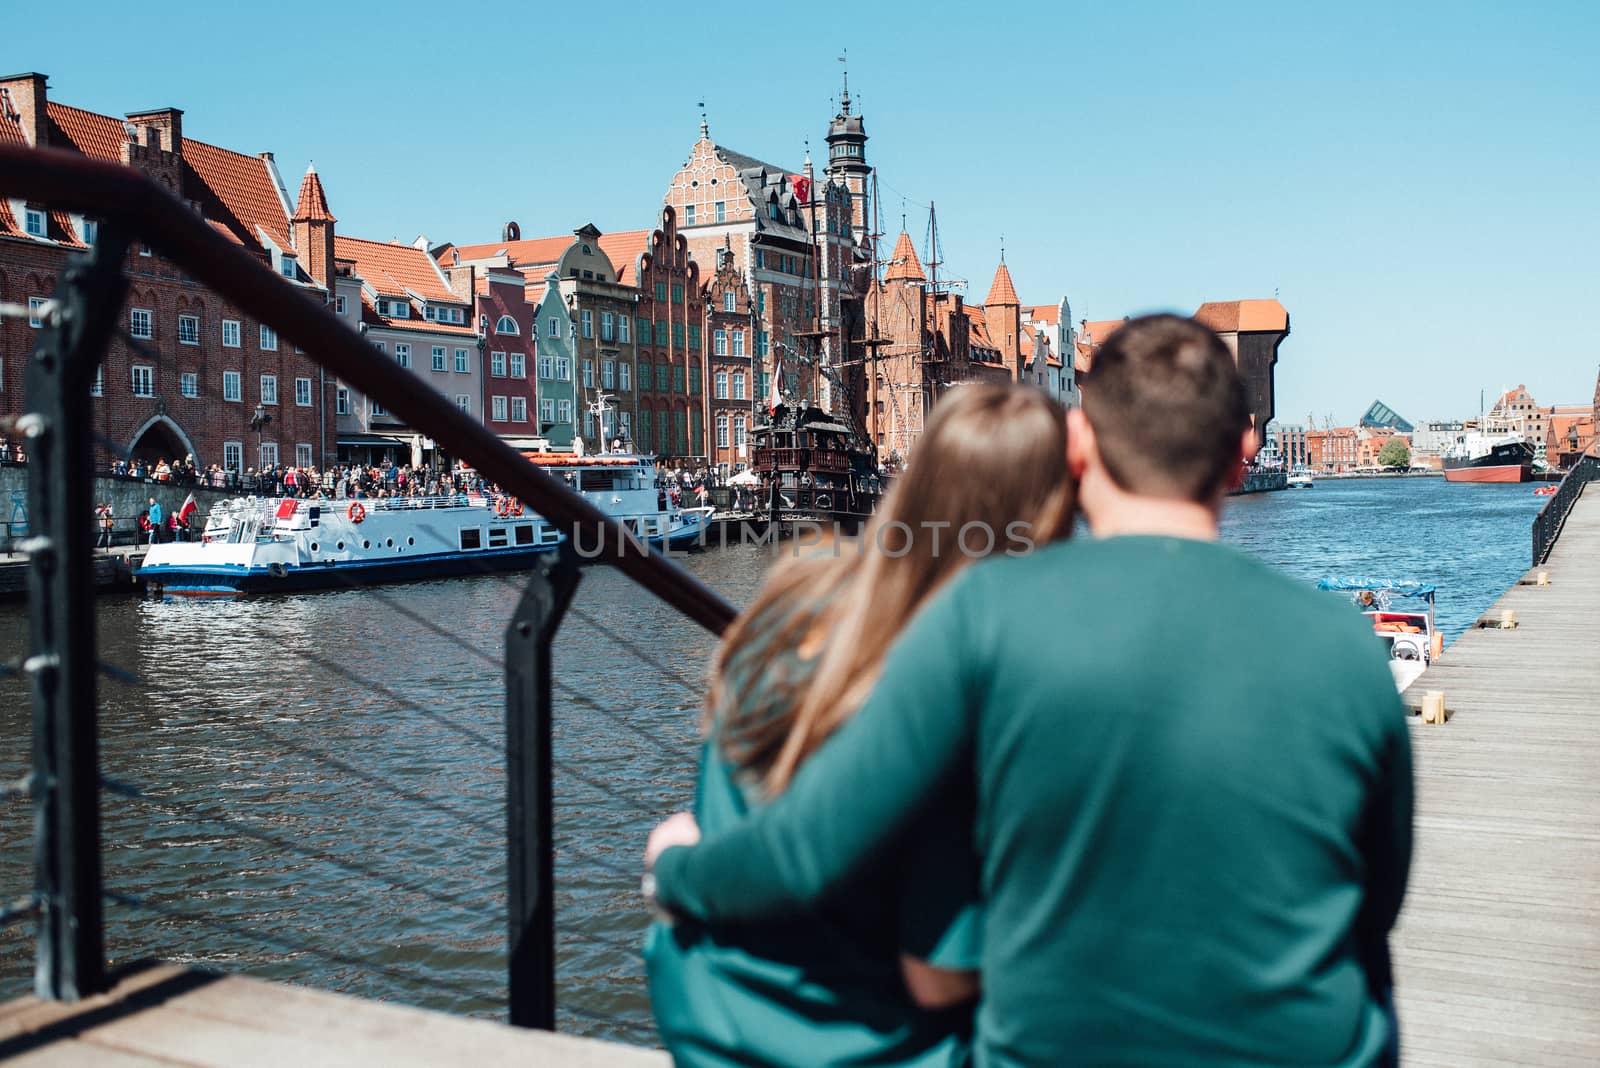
[(1497, 955)]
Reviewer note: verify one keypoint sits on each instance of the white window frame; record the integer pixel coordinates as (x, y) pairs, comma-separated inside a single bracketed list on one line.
[(402, 353), (719, 386), (235, 379), (738, 385), (624, 374), (302, 392), (439, 358), (586, 319), (339, 304), (519, 409), (230, 333), (34, 304), (563, 410), (189, 384), (737, 337), (739, 430), (547, 410), (608, 374), (564, 368), (624, 328), (141, 323), (287, 268), (304, 456), (464, 402), (145, 375), (719, 342), (497, 365), (608, 326), (233, 456), (269, 389), (588, 374), (498, 408), (507, 325), (722, 431), (730, 301), (33, 222), (265, 450), (269, 339), (463, 366), (519, 365), (341, 400), (191, 336)]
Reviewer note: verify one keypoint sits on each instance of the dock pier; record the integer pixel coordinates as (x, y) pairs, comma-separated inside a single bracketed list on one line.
[(1497, 954)]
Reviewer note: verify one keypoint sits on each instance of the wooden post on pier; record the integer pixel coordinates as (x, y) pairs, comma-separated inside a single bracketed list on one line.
[(530, 843)]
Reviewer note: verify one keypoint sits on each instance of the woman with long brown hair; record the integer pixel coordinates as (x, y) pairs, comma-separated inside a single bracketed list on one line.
[(883, 975)]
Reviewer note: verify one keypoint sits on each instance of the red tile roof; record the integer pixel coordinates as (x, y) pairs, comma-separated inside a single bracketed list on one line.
[(1001, 291), (526, 253), (623, 249), (313, 203), (1243, 316), (1100, 331), (395, 270), (1043, 313), (99, 136), (243, 186), (903, 264)]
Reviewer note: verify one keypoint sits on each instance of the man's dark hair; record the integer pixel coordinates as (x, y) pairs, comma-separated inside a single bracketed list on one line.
[(1168, 408)]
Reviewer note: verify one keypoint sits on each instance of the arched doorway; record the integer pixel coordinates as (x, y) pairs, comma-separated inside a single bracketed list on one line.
[(162, 439)]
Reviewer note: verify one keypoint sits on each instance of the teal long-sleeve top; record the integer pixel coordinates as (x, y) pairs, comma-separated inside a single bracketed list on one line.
[(1194, 804)]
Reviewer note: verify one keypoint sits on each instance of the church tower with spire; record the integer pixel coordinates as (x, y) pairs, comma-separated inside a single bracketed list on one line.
[(847, 163)]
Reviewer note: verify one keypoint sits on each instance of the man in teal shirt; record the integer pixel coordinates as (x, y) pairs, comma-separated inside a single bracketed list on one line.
[(1194, 816)]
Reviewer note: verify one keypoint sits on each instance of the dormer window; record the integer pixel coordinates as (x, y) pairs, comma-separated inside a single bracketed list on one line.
[(35, 223), (90, 231), (773, 210), (287, 268)]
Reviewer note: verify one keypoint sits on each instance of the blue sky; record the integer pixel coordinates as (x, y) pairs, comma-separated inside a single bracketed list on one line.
[(1416, 182)]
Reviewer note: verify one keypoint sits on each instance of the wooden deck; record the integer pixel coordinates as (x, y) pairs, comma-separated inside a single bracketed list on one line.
[(165, 1016), (1498, 950)]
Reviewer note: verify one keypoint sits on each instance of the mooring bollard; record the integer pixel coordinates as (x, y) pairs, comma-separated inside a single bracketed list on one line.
[(1433, 707), (1508, 619), (1544, 578)]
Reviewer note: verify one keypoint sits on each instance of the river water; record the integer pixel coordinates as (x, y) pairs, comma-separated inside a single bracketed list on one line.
[(321, 782)]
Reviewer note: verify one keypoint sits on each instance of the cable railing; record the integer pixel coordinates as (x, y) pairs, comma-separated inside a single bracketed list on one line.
[(498, 799), (1548, 523)]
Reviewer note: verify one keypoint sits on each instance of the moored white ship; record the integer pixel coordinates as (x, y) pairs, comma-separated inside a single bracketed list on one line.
[(254, 545)]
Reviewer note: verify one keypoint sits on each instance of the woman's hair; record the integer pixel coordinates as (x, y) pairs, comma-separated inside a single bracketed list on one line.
[(989, 475)]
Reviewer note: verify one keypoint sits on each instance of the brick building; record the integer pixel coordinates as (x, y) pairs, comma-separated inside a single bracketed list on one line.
[(727, 201), (735, 388), (670, 326), (188, 370)]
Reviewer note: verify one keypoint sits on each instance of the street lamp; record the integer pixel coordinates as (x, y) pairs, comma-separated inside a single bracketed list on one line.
[(257, 423)]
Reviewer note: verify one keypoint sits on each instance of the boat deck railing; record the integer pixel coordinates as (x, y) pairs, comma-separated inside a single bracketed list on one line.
[(70, 782)]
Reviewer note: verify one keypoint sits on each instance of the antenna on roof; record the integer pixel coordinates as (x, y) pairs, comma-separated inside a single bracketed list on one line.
[(705, 127), (1002, 248)]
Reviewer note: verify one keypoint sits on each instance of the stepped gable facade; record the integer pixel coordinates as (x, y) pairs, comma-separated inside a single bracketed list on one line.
[(186, 371)]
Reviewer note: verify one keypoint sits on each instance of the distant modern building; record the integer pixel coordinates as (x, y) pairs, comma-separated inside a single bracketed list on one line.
[(1381, 415)]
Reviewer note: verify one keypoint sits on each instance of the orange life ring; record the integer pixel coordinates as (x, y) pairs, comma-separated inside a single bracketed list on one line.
[(516, 507), (357, 512), (502, 507)]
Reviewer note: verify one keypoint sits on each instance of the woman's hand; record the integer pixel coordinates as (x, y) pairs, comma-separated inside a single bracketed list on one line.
[(678, 829)]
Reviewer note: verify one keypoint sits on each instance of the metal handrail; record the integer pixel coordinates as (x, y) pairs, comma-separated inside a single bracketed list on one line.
[(126, 199), (1548, 523)]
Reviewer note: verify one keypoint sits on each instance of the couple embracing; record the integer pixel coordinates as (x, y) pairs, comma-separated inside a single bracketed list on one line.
[(1062, 807)]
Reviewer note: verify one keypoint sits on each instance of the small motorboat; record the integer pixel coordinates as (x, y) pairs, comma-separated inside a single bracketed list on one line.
[(1406, 628), (1300, 477)]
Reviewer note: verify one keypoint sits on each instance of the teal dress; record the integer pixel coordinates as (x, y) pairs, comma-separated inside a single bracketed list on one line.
[(824, 988)]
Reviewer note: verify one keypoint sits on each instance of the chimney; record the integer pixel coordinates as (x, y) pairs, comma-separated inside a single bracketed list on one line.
[(161, 128), (23, 95), (312, 229)]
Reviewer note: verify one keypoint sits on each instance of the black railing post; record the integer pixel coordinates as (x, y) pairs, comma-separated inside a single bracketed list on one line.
[(530, 846), (66, 777)]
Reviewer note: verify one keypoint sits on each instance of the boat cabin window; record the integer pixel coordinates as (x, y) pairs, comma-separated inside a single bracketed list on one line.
[(471, 538), (316, 514), (548, 535), (525, 534), (499, 537)]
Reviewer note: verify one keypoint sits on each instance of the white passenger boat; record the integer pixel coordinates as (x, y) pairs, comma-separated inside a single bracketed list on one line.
[(255, 544), (1300, 477)]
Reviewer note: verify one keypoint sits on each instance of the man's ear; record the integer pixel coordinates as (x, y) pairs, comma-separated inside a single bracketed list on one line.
[(1080, 442), (1247, 445)]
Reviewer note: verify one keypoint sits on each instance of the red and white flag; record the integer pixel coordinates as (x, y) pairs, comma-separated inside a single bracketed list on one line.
[(187, 509), (774, 398)]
